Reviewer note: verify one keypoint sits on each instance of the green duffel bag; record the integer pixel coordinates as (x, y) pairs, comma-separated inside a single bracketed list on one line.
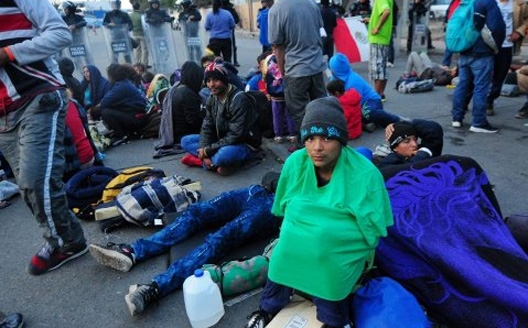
[(238, 276)]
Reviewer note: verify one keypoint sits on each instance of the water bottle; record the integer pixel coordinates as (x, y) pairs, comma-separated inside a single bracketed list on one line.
[(203, 301)]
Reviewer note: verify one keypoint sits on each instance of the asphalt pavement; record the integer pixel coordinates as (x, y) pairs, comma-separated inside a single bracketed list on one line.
[(85, 294)]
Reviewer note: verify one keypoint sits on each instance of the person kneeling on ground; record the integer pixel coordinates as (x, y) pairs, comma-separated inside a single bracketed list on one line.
[(412, 142), (241, 216), (229, 131), (333, 197), (520, 78)]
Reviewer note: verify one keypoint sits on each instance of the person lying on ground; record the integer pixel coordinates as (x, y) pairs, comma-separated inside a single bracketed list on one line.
[(240, 215), (413, 141), (422, 66)]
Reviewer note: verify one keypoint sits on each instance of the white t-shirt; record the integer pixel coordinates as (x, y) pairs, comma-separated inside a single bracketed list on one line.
[(506, 8)]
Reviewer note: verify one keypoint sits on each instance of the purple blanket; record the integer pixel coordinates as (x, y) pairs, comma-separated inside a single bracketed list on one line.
[(450, 247)]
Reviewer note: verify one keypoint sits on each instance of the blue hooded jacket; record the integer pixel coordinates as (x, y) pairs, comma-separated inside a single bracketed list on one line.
[(342, 70), (98, 85)]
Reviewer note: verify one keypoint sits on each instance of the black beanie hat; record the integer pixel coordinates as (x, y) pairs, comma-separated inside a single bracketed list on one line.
[(402, 131), (324, 117), (216, 70)]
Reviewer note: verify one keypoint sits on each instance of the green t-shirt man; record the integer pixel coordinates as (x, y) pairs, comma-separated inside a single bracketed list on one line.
[(384, 31)]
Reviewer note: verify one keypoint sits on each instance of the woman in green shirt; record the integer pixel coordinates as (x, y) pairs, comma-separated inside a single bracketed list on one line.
[(335, 199)]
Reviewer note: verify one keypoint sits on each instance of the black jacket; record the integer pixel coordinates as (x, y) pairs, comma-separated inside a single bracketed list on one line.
[(187, 114), (157, 16), (229, 123), (432, 138)]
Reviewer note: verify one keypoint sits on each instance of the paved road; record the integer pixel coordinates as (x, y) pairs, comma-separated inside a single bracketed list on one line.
[(85, 294)]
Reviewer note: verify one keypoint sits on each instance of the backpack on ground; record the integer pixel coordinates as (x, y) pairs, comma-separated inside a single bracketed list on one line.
[(461, 33), (145, 203), (414, 85), (129, 177)]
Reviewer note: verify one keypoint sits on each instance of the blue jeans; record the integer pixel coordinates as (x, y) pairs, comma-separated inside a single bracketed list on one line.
[(241, 215), (229, 155), (35, 150), (334, 313), (372, 111), (474, 71)]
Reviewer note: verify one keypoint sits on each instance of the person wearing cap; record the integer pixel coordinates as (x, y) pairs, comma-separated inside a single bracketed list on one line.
[(333, 197), (413, 141), (229, 131)]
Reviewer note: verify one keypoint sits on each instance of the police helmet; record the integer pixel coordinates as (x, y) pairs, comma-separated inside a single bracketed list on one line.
[(153, 1), (72, 7), (117, 3), (186, 3)]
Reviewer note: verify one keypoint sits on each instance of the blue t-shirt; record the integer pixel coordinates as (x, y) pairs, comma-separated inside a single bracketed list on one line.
[(219, 25)]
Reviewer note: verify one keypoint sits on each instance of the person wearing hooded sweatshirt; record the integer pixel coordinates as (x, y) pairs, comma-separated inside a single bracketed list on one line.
[(371, 105), (182, 113), (94, 86)]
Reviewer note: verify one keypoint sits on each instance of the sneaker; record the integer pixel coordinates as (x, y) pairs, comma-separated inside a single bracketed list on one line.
[(119, 141), (383, 99), (139, 296), (50, 258), (456, 124), (278, 139), (191, 160), (486, 128), (389, 64), (521, 115), (258, 319), (117, 256), (12, 320), (292, 139)]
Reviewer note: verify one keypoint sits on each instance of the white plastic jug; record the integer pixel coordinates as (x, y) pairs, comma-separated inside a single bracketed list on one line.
[(203, 300)]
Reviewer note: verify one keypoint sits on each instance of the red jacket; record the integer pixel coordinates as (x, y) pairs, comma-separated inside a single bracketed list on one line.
[(350, 101)]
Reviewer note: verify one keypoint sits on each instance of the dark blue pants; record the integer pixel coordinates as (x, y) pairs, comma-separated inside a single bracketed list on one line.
[(334, 313)]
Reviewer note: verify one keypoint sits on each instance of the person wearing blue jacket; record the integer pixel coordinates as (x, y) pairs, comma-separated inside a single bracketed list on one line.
[(476, 67), (262, 24), (219, 23), (371, 105), (123, 106)]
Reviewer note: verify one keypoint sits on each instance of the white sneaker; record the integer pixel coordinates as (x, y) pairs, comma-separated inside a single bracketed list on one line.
[(456, 124)]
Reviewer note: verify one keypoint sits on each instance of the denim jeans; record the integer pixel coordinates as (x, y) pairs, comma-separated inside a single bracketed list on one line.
[(334, 313), (372, 111), (35, 151), (446, 61), (476, 72), (229, 155), (240, 215)]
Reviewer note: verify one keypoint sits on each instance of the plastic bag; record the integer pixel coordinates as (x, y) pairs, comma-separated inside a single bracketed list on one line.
[(8, 189), (384, 303)]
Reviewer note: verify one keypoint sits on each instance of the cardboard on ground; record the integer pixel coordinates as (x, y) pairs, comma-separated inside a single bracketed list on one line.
[(300, 313)]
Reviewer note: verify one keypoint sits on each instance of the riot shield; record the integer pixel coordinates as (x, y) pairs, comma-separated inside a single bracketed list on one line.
[(161, 47), (79, 51), (189, 41), (118, 43)]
